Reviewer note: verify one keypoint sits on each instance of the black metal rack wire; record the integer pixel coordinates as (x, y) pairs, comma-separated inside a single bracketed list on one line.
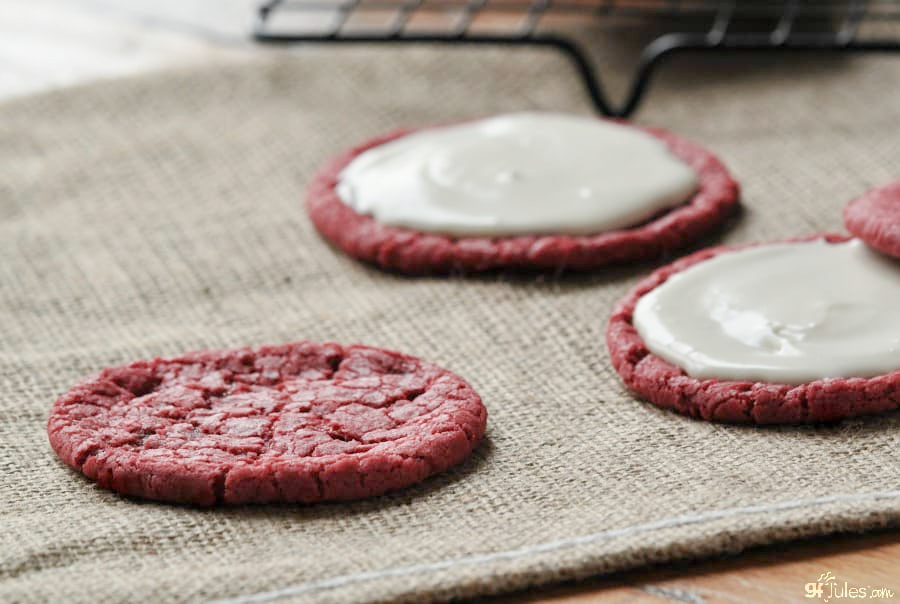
[(692, 25)]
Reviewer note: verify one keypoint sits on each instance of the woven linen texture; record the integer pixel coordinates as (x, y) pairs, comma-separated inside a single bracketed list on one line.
[(152, 216)]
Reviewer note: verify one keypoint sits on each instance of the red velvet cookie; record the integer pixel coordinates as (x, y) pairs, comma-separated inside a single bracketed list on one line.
[(668, 386), (875, 218), (302, 422), (414, 252)]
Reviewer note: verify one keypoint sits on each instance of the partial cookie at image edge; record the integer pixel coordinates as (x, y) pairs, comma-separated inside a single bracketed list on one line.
[(667, 386), (875, 218)]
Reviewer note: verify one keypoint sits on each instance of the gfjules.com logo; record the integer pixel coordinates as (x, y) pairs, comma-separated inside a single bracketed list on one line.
[(827, 588)]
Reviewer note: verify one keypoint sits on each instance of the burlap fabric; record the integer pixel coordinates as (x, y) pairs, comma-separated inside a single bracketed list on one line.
[(164, 214)]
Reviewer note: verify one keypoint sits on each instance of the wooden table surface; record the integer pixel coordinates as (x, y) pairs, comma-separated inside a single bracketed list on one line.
[(772, 574)]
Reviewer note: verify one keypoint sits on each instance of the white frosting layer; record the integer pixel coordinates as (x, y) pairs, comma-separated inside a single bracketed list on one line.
[(782, 313), (523, 173)]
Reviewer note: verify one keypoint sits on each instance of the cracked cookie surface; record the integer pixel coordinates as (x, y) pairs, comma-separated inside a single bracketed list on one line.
[(413, 252), (668, 386), (302, 422)]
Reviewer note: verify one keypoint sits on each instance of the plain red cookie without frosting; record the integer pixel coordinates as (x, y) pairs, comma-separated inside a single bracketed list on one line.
[(414, 252), (668, 386), (302, 422), (875, 218)]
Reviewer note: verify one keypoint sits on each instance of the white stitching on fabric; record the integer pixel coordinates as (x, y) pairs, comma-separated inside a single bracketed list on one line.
[(340, 581)]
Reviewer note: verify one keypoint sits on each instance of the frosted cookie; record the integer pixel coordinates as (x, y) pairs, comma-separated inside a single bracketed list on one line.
[(801, 331), (302, 422), (524, 191), (875, 218)]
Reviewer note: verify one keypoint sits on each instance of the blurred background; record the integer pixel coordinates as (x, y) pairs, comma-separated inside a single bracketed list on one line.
[(52, 43)]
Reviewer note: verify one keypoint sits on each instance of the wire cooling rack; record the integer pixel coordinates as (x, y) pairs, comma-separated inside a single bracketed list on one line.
[(721, 26)]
